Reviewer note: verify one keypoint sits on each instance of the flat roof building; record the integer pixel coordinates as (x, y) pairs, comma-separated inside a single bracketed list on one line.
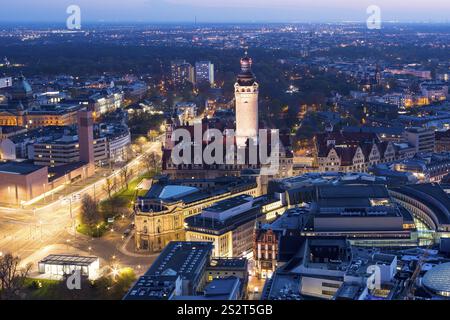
[(185, 259), (185, 271), (58, 265), (422, 139), (228, 224), (428, 202), (366, 214), (21, 182)]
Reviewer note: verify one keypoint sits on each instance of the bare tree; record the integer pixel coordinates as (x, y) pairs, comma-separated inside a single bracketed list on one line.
[(12, 277), (109, 187), (125, 174), (152, 162), (90, 214), (115, 184)]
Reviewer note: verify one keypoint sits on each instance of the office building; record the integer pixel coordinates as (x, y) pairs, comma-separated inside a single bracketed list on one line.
[(21, 182), (422, 139), (182, 72), (204, 72), (186, 271), (180, 267), (86, 139), (429, 203), (228, 224), (425, 167), (329, 269), (366, 215)]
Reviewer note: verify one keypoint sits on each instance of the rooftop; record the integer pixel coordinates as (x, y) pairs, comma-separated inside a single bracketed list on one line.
[(214, 225), (229, 263), (433, 196), (56, 259), (222, 288), (19, 168), (229, 203), (176, 192), (438, 279), (151, 288), (181, 259)]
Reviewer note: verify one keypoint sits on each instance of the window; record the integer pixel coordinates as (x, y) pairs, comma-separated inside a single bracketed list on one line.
[(328, 293)]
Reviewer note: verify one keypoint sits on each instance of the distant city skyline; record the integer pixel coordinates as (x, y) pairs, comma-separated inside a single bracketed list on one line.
[(221, 11)]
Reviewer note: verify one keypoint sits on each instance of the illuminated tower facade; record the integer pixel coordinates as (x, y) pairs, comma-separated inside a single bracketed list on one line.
[(246, 92)]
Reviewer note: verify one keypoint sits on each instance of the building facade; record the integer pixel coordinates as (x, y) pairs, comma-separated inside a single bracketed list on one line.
[(351, 152), (204, 72), (160, 215), (246, 91)]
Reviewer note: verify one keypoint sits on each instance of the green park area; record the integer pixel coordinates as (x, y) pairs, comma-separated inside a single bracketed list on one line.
[(95, 218)]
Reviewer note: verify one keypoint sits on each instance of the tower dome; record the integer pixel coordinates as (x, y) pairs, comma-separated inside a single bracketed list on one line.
[(22, 92), (246, 76)]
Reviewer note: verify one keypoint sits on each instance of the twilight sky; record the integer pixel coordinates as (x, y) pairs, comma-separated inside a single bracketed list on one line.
[(224, 10)]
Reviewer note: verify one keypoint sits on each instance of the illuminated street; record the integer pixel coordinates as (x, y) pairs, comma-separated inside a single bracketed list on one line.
[(30, 232)]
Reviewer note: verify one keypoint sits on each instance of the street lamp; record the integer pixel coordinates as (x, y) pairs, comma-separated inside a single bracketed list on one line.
[(115, 272)]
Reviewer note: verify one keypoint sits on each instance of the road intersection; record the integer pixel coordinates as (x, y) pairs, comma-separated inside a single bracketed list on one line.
[(48, 226)]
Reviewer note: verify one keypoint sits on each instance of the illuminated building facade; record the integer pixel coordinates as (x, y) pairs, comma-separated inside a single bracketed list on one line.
[(246, 91), (160, 215)]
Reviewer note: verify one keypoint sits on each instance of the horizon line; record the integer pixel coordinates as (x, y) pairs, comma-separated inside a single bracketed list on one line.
[(90, 22)]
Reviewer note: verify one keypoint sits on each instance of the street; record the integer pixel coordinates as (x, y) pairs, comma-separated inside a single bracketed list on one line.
[(48, 227)]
